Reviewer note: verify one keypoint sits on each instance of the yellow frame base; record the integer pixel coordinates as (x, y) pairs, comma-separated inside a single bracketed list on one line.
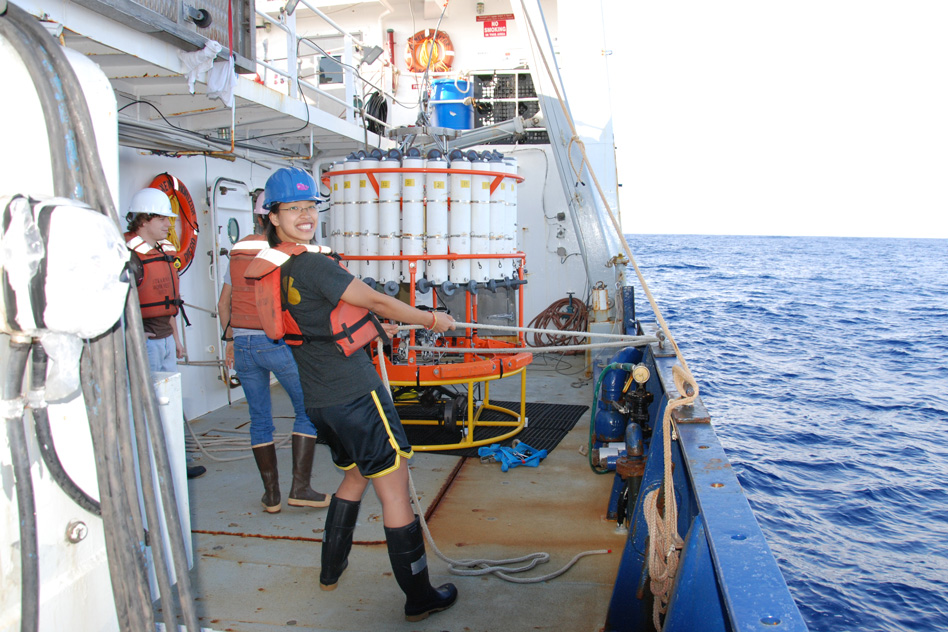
[(473, 417)]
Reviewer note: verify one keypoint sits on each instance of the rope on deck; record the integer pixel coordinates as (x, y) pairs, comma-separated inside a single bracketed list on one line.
[(486, 566)]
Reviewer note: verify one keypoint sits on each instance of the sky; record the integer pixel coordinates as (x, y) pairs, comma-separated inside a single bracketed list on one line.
[(826, 117)]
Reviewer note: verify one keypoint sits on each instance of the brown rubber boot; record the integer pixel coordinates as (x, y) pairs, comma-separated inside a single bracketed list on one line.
[(301, 494), (337, 541), (266, 457)]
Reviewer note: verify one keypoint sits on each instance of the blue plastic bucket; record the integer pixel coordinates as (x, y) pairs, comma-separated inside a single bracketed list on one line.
[(449, 111)]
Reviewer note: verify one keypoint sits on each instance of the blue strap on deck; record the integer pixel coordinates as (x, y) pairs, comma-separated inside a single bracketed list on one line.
[(514, 456)]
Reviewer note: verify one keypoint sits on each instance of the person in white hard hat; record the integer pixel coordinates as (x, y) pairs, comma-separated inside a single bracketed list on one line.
[(149, 221), (156, 264)]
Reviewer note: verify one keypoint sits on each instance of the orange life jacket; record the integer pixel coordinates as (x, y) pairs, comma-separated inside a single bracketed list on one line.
[(158, 289), (243, 302), (352, 327)]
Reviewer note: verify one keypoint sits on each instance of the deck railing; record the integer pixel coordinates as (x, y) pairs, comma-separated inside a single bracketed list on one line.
[(352, 102)]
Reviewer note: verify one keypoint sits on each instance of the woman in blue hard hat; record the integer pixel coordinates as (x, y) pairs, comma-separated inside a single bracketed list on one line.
[(346, 400)]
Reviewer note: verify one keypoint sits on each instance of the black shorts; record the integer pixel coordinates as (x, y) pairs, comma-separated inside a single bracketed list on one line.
[(364, 433)]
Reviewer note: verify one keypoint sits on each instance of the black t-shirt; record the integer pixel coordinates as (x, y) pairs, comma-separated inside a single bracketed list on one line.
[(314, 284)]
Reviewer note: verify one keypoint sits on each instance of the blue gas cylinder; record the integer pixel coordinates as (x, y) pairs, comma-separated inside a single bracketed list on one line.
[(610, 426)]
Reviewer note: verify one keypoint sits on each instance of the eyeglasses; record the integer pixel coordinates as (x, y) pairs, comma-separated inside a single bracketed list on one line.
[(299, 209)]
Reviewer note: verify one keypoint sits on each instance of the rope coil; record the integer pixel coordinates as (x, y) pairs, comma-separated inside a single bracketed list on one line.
[(485, 566)]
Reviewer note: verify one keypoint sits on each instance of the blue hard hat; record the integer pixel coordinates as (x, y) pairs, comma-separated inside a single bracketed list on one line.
[(289, 184)]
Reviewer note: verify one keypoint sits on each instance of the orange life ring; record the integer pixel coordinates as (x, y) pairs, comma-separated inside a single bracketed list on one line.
[(428, 44), (184, 227)]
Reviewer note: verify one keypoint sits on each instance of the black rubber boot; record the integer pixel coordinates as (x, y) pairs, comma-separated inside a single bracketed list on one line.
[(301, 494), (337, 541), (406, 550), (266, 457)]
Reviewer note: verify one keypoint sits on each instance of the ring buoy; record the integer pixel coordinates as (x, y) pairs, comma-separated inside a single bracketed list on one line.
[(429, 44), (184, 227)]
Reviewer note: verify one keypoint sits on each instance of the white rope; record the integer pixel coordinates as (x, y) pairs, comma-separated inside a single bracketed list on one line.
[(556, 332), (664, 540), (485, 566), (619, 340), (239, 443), (499, 568), (534, 350)]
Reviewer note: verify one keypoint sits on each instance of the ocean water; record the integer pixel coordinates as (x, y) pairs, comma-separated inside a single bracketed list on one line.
[(824, 365)]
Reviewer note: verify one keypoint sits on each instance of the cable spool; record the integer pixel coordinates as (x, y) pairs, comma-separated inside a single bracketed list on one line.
[(377, 107), (184, 227), (431, 50)]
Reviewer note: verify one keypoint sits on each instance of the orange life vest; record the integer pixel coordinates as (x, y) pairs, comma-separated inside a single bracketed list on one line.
[(243, 302), (158, 289), (352, 327)]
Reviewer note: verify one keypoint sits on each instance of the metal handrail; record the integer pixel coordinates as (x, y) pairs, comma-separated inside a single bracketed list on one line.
[(291, 74)]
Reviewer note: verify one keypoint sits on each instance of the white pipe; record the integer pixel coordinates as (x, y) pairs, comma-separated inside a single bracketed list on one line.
[(498, 203), (368, 220), (413, 215), (459, 222), (510, 216)]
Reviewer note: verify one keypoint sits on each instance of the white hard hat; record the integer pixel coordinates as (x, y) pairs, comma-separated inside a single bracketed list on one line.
[(153, 201)]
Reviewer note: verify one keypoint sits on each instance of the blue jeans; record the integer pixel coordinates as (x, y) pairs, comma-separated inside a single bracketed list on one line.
[(255, 357), (162, 355)]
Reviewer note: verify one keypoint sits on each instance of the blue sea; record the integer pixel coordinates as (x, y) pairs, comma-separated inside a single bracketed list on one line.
[(824, 365)]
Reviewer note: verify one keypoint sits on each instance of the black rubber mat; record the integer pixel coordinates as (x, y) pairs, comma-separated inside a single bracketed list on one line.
[(547, 424)]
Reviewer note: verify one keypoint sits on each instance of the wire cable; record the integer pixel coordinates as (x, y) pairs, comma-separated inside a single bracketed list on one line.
[(377, 107), (23, 482), (44, 435)]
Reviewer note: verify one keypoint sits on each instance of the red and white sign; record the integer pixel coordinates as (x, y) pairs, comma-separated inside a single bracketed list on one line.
[(497, 28), (495, 17), (495, 25)]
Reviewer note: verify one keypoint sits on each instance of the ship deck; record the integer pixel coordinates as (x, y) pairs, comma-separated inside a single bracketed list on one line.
[(256, 572)]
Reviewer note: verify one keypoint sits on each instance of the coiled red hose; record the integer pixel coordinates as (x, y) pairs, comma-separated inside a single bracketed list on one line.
[(566, 314)]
